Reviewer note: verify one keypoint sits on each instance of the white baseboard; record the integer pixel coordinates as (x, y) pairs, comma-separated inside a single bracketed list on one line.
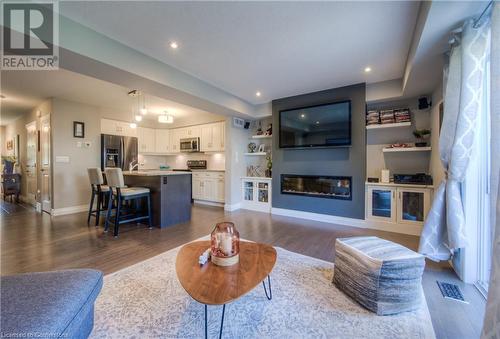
[(360, 223), (209, 203), (69, 210), (233, 207)]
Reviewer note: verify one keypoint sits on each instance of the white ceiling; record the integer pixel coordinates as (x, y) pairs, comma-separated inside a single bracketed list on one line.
[(26, 89), (278, 48)]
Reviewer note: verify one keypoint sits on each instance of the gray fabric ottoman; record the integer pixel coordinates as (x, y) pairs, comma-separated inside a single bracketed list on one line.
[(384, 277), (49, 304)]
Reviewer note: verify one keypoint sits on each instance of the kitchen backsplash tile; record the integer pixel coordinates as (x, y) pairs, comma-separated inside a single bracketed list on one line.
[(216, 161)]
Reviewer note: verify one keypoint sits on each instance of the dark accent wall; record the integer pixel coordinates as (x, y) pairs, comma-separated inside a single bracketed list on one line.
[(342, 161)]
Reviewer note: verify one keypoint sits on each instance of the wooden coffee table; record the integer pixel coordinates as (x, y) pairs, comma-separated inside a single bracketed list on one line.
[(216, 285)]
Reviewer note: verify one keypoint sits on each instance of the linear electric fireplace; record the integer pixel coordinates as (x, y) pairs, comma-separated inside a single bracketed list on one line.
[(332, 187)]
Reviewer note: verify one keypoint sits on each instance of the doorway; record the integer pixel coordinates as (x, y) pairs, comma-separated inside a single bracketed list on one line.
[(30, 168), (45, 164)]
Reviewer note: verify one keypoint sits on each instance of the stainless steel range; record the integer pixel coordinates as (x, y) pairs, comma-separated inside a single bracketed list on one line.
[(196, 164)]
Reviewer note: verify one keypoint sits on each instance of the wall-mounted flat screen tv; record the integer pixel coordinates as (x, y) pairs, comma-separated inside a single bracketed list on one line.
[(326, 125)]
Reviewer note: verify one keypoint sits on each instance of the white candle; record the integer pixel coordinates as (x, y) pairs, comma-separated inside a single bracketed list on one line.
[(226, 244)]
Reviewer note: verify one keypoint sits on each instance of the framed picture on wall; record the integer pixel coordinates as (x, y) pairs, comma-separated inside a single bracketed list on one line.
[(78, 129)]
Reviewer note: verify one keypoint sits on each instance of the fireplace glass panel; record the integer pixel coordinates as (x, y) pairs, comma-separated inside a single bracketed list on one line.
[(318, 186)]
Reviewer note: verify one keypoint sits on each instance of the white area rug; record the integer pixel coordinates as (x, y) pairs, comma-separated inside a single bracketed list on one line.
[(147, 301)]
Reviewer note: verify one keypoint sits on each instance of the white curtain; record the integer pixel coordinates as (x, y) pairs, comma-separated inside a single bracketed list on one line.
[(444, 229), (491, 327)]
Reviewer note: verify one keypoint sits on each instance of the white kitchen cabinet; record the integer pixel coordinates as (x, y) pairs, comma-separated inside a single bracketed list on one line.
[(115, 127), (256, 194), (212, 137), (162, 141), (192, 132), (398, 203), (175, 139), (209, 186), (146, 140)]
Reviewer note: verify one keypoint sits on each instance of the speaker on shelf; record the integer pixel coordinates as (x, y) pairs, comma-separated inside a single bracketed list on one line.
[(424, 103)]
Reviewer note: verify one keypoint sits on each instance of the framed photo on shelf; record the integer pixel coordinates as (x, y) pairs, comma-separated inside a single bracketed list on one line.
[(78, 129)]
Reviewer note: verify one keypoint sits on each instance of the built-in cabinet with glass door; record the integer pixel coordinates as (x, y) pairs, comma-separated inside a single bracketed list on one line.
[(256, 194), (402, 204)]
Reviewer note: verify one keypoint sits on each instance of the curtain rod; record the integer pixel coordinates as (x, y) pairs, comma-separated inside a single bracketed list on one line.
[(476, 22)]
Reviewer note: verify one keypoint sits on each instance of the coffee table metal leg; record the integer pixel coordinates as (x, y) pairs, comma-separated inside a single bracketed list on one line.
[(270, 295), (221, 323), (206, 329)]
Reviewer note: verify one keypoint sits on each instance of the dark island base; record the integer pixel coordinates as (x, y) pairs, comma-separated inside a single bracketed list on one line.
[(170, 197)]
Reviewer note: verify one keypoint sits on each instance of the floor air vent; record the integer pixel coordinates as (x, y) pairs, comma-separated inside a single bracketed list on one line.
[(451, 291)]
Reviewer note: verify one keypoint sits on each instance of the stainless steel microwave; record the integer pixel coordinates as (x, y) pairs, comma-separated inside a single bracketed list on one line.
[(190, 145)]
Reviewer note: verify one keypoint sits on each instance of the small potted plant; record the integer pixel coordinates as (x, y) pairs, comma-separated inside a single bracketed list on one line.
[(422, 135), (269, 166)]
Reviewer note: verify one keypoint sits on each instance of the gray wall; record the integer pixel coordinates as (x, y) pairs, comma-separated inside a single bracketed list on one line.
[(344, 161)]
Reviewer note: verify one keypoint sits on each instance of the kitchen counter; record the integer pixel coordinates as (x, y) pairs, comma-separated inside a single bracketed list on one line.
[(205, 170), (170, 194), (155, 173)]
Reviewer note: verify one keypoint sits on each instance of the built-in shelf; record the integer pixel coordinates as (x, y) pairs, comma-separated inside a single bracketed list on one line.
[(407, 149), (393, 184), (262, 136), (256, 178), (256, 153), (398, 124)]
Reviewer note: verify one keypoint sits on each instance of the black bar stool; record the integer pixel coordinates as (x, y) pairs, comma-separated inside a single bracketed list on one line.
[(100, 191), (119, 194)]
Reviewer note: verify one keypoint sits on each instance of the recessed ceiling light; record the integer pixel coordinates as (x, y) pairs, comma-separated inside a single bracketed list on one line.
[(302, 115), (368, 69), (138, 118), (174, 45), (133, 125), (257, 93), (317, 122)]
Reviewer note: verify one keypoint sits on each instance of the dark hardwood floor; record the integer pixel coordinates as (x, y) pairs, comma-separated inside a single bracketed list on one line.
[(38, 242)]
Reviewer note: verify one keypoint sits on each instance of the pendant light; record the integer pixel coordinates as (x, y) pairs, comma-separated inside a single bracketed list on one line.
[(165, 118), (136, 117), (143, 110)]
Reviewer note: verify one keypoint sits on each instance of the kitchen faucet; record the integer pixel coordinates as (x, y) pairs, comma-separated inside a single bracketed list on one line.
[(131, 165)]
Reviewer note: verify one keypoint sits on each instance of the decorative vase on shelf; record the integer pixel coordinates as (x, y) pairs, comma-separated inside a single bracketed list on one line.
[(225, 244), (252, 147)]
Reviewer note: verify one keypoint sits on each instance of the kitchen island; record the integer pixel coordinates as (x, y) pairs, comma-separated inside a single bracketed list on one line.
[(170, 194)]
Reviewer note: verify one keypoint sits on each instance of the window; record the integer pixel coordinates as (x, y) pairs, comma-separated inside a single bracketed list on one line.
[(473, 263), (485, 235)]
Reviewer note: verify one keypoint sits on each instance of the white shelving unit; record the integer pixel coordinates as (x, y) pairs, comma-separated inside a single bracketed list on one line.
[(406, 149), (256, 194), (256, 154), (398, 124)]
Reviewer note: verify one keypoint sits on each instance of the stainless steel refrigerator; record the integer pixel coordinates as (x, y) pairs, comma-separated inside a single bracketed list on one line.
[(118, 151)]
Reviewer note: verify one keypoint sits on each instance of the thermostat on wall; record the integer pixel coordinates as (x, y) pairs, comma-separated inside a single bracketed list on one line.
[(62, 158)]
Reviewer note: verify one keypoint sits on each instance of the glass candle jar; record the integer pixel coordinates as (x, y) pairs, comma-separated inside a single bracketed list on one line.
[(225, 244)]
